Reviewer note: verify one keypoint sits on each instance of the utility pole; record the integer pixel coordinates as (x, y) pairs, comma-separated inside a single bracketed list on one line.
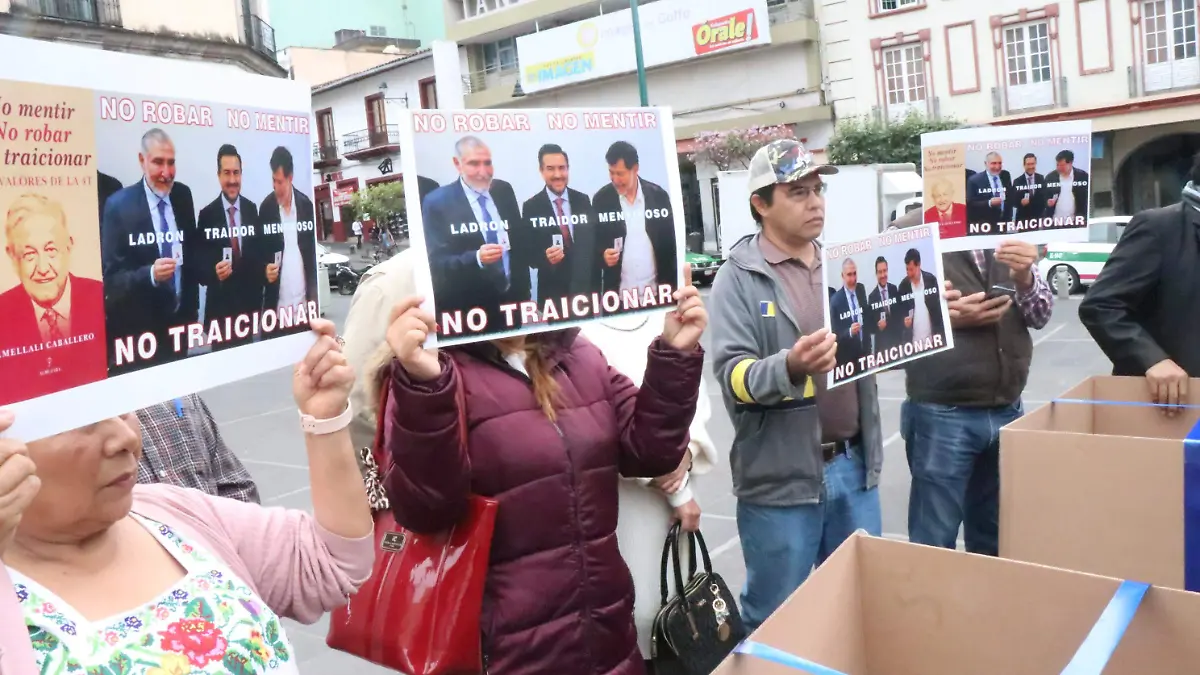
[(637, 50)]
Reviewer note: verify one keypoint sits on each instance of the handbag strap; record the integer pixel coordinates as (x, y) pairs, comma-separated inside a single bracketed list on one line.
[(666, 559), (703, 552)]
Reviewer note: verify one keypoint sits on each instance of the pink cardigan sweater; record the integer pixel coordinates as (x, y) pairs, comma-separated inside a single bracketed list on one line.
[(297, 567)]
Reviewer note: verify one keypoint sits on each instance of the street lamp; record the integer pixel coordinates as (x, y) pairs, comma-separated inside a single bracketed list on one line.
[(637, 51)]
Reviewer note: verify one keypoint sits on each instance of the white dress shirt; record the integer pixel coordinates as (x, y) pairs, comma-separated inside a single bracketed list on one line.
[(922, 322), (489, 217), (1065, 206), (152, 198), (292, 287), (637, 257), (62, 307)]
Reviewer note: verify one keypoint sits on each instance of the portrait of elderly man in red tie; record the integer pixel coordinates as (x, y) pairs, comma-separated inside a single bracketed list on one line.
[(52, 333)]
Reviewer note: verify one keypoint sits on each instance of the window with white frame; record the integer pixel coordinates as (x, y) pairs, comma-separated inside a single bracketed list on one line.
[(904, 79), (500, 56), (1027, 66), (893, 5), (1169, 40)]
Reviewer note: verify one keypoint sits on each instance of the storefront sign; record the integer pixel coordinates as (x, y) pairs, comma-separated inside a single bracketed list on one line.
[(477, 8), (603, 46)]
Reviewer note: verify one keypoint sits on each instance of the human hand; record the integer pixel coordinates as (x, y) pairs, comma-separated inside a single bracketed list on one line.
[(683, 327), (224, 270), (408, 328), (813, 354), (1168, 385), (611, 257), (951, 295), (1019, 256), (977, 310), (1052, 201), (322, 381), (1025, 201), (164, 269), (995, 201), (688, 516), (272, 273), (671, 482), (555, 254), (882, 324), (490, 253), (19, 483), (854, 328)]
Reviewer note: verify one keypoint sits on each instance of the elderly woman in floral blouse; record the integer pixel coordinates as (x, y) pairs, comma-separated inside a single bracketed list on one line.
[(114, 577)]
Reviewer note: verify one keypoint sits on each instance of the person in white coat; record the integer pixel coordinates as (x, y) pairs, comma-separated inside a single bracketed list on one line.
[(648, 506)]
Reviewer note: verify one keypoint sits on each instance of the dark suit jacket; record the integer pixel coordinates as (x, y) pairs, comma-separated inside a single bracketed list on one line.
[(459, 283), (849, 347), (661, 230), (979, 194), (933, 303), (1080, 191), (106, 186), (894, 312), (1143, 306), (425, 186), (578, 272), (1036, 193), (134, 303), (242, 292), (52, 368), (269, 214)]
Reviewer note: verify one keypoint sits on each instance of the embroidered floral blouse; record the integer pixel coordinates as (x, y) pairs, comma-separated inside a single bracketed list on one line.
[(209, 622)]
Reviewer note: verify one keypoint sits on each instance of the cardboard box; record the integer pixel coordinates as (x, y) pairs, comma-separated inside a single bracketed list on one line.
[(1099, 488), (882, 607)]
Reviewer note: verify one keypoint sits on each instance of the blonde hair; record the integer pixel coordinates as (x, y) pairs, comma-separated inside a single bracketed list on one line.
[(30, 205), (942, 186)]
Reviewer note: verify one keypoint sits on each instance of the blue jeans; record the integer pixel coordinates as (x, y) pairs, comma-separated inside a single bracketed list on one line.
[(954, 458), (781, 544)]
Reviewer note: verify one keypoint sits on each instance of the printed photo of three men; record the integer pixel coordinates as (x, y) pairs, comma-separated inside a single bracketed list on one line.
[(547, 221), (138, 235)]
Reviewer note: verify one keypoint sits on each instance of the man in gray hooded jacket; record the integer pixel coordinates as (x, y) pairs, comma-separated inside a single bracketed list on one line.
[(805, 459)]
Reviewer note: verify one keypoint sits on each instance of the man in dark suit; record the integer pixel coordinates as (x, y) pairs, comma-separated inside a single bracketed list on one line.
[(52, 332), (148, 248), (846, 312), (988, 195), (920, 297), (425, 186), (561, 228), (476, 256), (289, 243), (106, 186), (1028, 191), (885, 314), (233, 266), (637, 227), (1067, 189)]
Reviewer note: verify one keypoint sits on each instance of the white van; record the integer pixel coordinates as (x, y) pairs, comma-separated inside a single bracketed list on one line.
[(1084, 260)]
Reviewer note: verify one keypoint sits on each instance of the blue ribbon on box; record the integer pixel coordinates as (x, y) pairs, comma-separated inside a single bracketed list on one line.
[(1090, 659), (1191, 488)]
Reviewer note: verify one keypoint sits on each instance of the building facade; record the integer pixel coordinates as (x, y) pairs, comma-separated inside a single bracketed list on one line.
[(312, 23), (356, 144), (352, 51), (578, 53), (1131, 66), (235, 32)]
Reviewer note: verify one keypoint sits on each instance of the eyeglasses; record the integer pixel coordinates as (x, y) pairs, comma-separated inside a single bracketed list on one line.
[(803, 192)]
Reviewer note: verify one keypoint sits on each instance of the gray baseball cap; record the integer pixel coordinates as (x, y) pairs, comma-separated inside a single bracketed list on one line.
[(783, 161)]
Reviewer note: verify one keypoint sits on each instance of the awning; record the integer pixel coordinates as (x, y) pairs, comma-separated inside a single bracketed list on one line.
[(902, 183)]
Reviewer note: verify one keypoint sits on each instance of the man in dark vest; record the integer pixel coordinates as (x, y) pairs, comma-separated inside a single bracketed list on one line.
[(958, 399)]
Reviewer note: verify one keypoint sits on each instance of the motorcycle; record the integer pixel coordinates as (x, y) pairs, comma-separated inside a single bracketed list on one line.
[(344, 278)]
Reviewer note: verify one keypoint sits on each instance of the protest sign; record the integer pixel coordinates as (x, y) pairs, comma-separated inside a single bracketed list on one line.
[(157, 230), (904, 317), (1028, 181), (543, 219)]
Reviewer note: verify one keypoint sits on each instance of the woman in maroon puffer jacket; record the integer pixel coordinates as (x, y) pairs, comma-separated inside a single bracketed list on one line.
[(551, 427)]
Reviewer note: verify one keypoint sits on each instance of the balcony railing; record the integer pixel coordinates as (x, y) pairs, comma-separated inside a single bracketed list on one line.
[(378, 136), (786, 11), (325, 152), (101, 12), (480, 80), (260, 36)]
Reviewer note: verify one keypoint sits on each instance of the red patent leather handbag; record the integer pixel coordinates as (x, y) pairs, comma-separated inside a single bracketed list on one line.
[(419, 611)]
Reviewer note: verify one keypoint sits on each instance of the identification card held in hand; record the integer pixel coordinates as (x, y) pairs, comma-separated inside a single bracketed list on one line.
[(619, 244), (556, 240), (278, 257), (227, 254)]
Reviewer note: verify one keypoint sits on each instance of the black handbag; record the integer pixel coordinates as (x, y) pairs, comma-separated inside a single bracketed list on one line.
[(697, 628)]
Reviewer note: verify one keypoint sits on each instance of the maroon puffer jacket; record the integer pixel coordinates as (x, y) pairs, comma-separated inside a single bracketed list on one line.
[(559, 598)]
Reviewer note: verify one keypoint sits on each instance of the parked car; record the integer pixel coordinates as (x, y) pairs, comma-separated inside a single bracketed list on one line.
[(1083, 260), (704, 267)]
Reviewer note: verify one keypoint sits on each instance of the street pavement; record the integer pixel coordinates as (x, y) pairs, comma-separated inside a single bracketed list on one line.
[(258, 420)]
